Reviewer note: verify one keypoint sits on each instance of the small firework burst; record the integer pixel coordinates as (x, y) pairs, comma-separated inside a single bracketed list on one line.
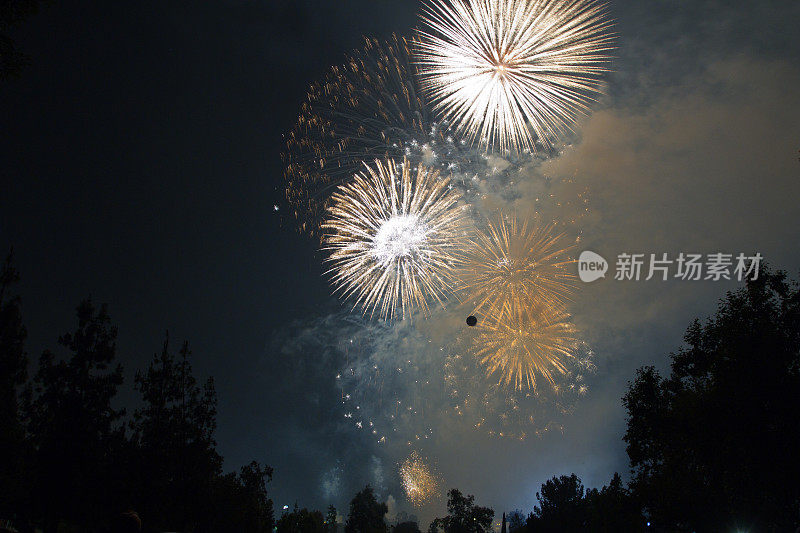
[(393, 234), (419, 480), (509, 73)]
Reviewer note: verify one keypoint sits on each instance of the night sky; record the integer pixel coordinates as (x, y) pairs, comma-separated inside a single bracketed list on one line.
[(140, 156)]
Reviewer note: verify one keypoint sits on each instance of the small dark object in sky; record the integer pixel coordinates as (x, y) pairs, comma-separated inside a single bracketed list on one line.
[(471, 320)]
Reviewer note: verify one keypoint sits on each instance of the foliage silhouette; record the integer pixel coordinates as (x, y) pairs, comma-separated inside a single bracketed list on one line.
[(714, 444), (301, 521), (13, 375), (516, 521), (463, 516), (330, 519), (74, 429), (68, 461), (613, 508), (366, 513), (12, 14), (174, 435), (565, 506), (406, 527), (562, 506), (240, 502)]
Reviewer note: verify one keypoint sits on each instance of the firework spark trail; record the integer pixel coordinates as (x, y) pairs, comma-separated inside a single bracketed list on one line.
[(509, 73), (386, 381), (393, 235), (517, 264)]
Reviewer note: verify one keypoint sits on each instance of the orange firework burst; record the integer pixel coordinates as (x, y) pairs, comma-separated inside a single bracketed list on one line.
[(519, 266), (522, 345)]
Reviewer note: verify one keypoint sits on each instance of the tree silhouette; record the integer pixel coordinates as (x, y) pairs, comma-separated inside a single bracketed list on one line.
[(516, 521), (714, 445), (240, 502), (406, 527), (612, 508), (12, 13), (366, 513), (73, 425), (301, 521), (564, 505), (258, 513), (561, 506), (67, 461), (174, 432), (13, 374), (463, 516), (330, 519)]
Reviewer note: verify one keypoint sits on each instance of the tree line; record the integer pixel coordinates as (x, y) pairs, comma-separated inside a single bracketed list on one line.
[(713, 445), (72, 461)]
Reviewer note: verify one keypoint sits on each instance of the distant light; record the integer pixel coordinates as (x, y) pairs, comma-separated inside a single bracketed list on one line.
[(286, 507), (648, 524)]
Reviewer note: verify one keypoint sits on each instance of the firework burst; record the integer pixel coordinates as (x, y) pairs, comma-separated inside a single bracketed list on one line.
[(359, 111), (509, 73), (517, 264), (393, 234), (419, 481), (521, 345)]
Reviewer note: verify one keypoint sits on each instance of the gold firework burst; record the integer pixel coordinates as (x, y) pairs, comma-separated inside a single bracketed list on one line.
[(517, 265), (508, 73), (419, 481), (522, 345), (393, 233)]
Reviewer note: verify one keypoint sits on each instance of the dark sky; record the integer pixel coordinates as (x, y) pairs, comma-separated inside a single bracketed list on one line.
[(140, 161)]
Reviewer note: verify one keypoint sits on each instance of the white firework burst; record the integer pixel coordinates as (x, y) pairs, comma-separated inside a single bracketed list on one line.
[(509, 73), (393, 233)]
